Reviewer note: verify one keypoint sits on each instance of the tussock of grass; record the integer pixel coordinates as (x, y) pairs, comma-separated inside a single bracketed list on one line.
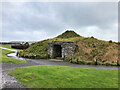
[(51, 76)]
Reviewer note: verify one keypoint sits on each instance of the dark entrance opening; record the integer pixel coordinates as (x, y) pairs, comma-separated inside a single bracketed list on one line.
[(57, 51)]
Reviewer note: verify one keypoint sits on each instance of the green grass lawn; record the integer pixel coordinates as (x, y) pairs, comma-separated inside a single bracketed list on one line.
[(6, 59), (9, 47), (6, 46), (52, 76)]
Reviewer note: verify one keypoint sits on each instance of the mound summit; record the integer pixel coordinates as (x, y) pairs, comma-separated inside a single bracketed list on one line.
[(68, 34), (88, 50)]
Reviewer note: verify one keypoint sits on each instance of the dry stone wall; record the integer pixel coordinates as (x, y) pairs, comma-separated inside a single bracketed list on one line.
[(67, 49)]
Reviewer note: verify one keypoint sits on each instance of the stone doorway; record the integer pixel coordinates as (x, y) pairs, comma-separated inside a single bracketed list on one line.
[(57, 51)]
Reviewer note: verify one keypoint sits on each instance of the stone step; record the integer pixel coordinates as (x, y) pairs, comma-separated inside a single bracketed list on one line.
[(59, 58)]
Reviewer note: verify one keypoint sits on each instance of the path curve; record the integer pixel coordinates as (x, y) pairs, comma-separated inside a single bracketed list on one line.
[(10, 82)]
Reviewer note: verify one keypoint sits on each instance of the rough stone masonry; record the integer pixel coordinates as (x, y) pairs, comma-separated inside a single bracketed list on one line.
[(61, 49)]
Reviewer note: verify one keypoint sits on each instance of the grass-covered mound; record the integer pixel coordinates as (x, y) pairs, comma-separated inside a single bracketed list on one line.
[(94, 51), (89, 50), (40, 48), (51, 76)]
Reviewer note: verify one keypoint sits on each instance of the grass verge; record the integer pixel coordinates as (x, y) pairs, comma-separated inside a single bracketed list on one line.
[(6, 46), (6, 59), (52, 76), (9, 47)]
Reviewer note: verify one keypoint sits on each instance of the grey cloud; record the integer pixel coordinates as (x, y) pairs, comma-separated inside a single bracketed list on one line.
[(87, 14), (54, 18)]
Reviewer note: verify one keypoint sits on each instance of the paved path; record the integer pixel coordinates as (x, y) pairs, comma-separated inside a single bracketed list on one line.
[(7, 80), (11, 82)]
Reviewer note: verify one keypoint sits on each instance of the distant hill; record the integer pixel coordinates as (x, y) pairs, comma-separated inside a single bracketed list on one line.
[(89, 50)]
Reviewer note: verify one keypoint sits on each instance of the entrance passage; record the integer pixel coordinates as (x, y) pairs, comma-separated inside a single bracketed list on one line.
[(57, 51)]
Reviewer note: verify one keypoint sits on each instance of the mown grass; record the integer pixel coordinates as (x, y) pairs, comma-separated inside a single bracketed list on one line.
[(9, 47), (5, 59), (6, 46), (51, 76)]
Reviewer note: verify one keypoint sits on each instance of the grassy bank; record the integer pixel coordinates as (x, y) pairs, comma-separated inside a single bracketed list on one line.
[(6, 59), (51, 76)]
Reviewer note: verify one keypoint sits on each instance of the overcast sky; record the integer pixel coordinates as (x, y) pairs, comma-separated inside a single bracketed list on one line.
[(35, 21)]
